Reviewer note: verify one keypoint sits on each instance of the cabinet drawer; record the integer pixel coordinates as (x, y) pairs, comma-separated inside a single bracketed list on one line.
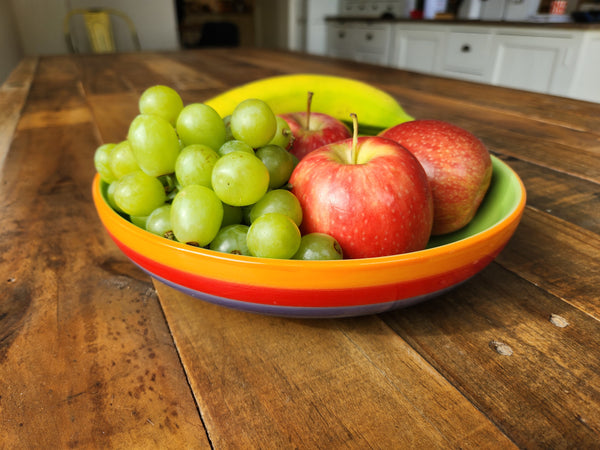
[(338, 36), (467, 53), (359, 37), (372, 38), (359, 41)]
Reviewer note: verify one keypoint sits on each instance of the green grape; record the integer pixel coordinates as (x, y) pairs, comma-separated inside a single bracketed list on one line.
[(159, 221), (102, 158), (161, 101), (283, 136), (196, 215), (234, 145), (240, 179), (138, 194), (231, 215), (279, 162), (279, 201), (318, 247), (227, 123), (231, 239), (200, 124), (154, 143), (253, 122), (110, 197), (139, 221), (122, 160), (273, 235), (194, 165)]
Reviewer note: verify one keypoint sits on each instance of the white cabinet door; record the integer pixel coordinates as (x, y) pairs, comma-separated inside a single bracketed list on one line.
[(418, 50), (468, 54), (360, 41), (340, 41), (586, 80), (535, 63)]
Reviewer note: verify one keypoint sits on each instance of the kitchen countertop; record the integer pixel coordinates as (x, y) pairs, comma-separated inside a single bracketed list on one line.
[(95, 354), (470, 22)]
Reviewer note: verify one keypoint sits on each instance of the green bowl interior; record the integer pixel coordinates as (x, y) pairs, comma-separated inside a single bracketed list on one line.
[(500, 201)]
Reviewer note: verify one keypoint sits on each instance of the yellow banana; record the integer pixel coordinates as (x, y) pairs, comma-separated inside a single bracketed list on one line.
[(336, 96)]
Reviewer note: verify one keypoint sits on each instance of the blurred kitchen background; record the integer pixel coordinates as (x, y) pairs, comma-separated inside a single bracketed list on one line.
[(546, 46)]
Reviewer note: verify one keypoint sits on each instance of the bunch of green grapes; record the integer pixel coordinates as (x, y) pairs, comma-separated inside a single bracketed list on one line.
[(185, 173)]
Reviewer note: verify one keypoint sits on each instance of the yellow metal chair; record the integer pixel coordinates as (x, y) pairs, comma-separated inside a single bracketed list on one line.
[(99, 29)]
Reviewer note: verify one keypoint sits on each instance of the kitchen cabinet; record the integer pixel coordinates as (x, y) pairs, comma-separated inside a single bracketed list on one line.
[(417, 49), (534, 61), (360, 41), (467, 54), (559, 61), (585, 83)]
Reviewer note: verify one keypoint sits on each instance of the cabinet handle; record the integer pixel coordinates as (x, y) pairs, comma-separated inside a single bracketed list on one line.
[(369, 36), (341, 34), (466, 48)]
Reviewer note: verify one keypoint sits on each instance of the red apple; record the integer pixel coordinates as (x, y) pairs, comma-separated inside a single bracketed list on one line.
[(458, 166), (369, 193), (312, 130)]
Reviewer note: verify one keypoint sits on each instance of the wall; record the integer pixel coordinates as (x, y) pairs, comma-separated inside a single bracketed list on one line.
[(316, 27), (10, 44), (155, 20), (42, 32)]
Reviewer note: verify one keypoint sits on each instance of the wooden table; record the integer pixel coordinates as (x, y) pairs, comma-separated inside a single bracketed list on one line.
[(94, 354)]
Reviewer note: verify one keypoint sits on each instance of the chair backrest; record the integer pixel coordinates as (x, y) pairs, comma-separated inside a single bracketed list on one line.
[(99, 29)]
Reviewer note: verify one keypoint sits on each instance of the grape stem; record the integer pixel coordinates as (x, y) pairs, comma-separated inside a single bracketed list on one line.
[(354, 153), (308, 105)]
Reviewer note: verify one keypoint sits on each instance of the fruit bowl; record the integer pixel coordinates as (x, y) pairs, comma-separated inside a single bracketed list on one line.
[(342, 288)]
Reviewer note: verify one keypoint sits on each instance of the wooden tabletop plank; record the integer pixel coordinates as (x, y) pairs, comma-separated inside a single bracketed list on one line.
[(530, 140), (113, 114), (504, 130), (516, 352), (572, 199), (13, 93), (467, 112), (316, 383), (229, 68), (564, 251), (86, 358), (573, 114), (91, 356)]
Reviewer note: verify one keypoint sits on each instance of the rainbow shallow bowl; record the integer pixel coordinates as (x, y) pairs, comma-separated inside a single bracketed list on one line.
[(326, 288)]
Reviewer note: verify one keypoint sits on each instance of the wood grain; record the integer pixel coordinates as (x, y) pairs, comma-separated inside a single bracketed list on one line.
[(316, 384), (572, 114), (572, 199), (529, 140), (93, 354), (13, 94), (494, 340), (86, 359), (550, 253)]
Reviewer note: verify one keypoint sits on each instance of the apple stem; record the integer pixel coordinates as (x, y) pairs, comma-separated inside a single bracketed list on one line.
[(308, 104), (354, 154)]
